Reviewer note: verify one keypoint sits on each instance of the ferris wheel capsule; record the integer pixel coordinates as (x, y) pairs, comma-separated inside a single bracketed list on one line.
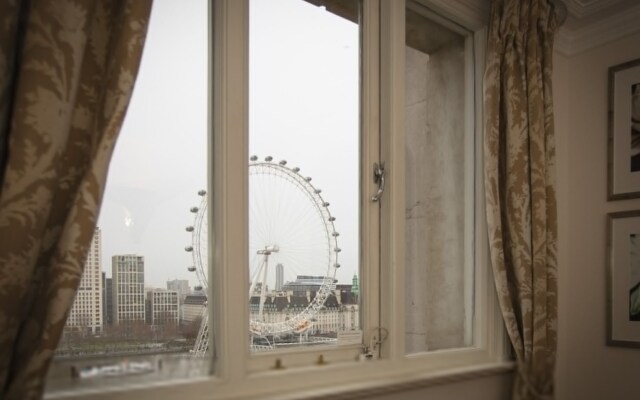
[(254, 158), (332, 219), (283, 162), (194, 209), (318, 191), (326, 204), (337, 249), (296, 169), (268, 158), (188, 248), (197, 288), (191, 269), (202, 192), (308, 179), (189, 228), (335, 234)]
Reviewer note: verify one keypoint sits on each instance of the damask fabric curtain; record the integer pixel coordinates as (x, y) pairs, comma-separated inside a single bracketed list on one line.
[(520, 185), (67, 69)]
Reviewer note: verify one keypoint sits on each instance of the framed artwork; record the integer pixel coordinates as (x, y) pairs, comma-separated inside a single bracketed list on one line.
[(624, 131), (623, 279)]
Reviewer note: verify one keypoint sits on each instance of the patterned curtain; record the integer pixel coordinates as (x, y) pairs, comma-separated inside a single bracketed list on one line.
[(520, 185), (67, 69)]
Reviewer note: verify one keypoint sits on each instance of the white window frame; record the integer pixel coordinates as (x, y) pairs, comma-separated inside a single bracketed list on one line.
[(235, 372)]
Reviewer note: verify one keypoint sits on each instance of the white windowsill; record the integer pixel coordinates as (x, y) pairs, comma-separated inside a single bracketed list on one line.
[(369, 380)]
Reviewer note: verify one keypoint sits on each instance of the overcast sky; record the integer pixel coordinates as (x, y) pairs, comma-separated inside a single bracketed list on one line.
[(303, 108)]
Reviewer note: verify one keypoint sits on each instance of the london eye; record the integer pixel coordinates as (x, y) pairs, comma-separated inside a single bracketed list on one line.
[(291, 234)]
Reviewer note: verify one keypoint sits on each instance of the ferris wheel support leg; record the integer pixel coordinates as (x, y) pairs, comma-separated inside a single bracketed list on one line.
[(255, 280), (263, 289), (201, 346)]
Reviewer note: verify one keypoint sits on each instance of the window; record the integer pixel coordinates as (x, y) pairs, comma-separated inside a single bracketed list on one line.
[(304, 170), (341, 289)]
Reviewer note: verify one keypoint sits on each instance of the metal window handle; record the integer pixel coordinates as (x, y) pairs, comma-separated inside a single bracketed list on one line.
[(378, 177)]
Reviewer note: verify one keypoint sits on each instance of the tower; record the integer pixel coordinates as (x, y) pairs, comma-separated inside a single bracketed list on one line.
[(86, 312), (128, 288), (355, 287), (279, 276)]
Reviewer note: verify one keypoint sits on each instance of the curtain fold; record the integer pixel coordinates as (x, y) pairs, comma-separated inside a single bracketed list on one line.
[(520, 185), (67, 70)]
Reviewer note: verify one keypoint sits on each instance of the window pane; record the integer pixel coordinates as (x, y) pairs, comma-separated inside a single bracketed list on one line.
[(137, 314), (304, 133), (439, 184)]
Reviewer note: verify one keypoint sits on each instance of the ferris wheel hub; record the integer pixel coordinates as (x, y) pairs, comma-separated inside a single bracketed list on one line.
[(269, 249)]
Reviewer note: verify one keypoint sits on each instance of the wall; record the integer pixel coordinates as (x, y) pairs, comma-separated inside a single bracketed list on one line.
[(587, 368), (436, 223), (494, 387)]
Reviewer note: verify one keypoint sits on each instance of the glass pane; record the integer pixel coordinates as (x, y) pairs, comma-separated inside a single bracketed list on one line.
[(138, 309), (439, 184), (303, 173)]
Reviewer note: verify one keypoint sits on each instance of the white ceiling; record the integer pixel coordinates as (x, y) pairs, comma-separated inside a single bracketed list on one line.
[(589, 23), (592, 23), (590, 10)]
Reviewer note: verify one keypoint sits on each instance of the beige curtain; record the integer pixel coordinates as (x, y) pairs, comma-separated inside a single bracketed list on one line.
[(67, 69), (520, 185)]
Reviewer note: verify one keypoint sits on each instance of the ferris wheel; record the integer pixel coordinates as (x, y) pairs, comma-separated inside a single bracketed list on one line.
[(291, 235)]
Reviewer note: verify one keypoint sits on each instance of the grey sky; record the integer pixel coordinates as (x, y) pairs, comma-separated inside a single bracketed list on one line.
[(304, 108)]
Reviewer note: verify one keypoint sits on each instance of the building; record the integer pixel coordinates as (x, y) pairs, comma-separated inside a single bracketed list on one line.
[(192, 308), (86, 312), (163, 307), (306, 283), (340, 311), (181, 286), (355, 287), (108, 302), (279, 276), (127, 273)]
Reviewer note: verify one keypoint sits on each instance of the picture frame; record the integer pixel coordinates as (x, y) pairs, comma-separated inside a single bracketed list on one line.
[(623, 279), (624, 131)]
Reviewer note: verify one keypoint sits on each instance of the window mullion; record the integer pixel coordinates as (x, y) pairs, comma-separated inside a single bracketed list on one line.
[(370, 148), (392, 25), (230, 171)]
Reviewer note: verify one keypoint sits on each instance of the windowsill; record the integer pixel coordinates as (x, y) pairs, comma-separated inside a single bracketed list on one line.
[(377, 380), (418, 381)]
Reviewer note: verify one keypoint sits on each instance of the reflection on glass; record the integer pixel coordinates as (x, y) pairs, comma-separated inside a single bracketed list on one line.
[(138, 310), (439, 185), (303, 177)]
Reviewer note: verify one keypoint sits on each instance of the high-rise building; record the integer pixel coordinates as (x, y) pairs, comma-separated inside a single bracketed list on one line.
[(279, 276), (179, 285), (163, 307), (86, 312), (127, 272), (108, 301)]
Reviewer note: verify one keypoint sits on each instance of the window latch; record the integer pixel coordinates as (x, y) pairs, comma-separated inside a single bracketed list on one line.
[(377, 336), (378, 177)]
